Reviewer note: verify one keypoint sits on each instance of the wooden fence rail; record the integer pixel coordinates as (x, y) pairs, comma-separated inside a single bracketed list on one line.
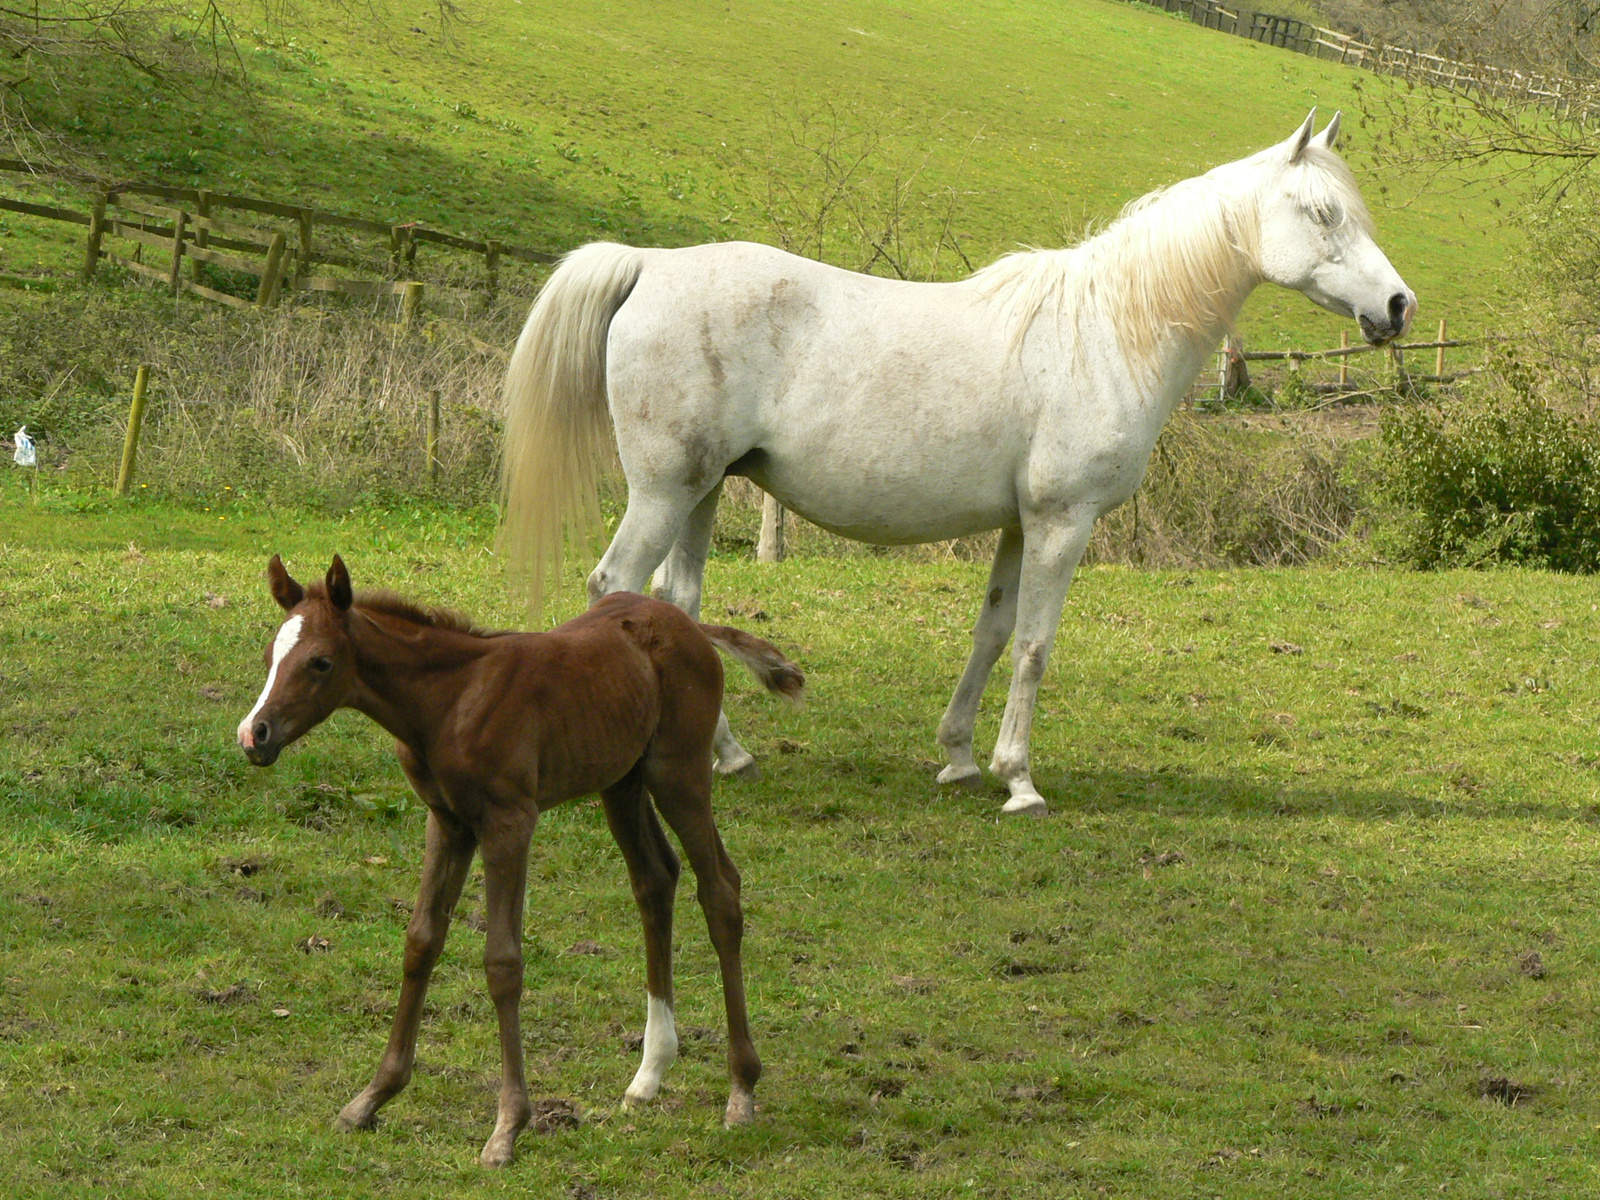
[(1233, 377), (183, 222), (1564, 95)]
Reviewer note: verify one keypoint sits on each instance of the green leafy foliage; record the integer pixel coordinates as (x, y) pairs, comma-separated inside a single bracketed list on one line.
[(1506, 479)]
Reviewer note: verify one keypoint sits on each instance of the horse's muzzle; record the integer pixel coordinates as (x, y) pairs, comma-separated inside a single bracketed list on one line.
[(259, 744), (1402, 307)]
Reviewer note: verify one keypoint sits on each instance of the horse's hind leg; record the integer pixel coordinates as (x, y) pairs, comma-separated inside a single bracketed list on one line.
[(444, 870), (655, 518), (679, 581), (681, 785), (653, 872), (989, 637), (682, 573)]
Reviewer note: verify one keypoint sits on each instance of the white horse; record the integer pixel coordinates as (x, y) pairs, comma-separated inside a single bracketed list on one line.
[(1026, 398)]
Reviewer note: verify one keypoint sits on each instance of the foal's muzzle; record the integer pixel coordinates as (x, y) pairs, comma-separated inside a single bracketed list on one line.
[(260, 742)]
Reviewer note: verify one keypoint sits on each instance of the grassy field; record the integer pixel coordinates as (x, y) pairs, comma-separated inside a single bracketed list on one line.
[(555, 124), (1313, 907)]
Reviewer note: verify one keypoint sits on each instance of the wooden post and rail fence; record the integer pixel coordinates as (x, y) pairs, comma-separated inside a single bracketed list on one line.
[(177, 223), (1578, 99), (1233, 375)]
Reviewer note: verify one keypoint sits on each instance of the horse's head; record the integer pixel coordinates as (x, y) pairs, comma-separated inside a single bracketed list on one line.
[(310, 664), (1316, 236)]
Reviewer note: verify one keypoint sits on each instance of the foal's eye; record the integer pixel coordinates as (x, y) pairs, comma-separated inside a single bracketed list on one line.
[(321, 665)]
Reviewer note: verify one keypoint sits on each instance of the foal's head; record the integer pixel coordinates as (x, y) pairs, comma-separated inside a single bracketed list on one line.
[(310, 664)]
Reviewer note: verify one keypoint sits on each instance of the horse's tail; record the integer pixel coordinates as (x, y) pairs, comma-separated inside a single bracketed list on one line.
[(558, 440), (766, 663)]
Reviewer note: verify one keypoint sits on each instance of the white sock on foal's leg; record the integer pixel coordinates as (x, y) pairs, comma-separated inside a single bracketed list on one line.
[(660, 1048)]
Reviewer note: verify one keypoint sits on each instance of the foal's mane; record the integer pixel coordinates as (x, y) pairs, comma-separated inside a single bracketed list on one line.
[(1180, 258), (388, 604)]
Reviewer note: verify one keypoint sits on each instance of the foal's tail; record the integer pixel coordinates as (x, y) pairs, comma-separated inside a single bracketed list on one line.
[(557, 427), (776, 673)]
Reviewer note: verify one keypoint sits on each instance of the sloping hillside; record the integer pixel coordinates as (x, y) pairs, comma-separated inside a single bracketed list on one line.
[(553, 123)]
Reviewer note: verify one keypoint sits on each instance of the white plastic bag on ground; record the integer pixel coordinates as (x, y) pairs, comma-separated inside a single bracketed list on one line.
[(25, 454)]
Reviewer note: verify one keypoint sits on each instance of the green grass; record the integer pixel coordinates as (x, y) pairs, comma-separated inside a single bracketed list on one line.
[(556, 124), (1266, 945)]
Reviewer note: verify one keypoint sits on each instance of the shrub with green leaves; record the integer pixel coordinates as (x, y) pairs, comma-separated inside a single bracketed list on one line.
[(1505, 479)]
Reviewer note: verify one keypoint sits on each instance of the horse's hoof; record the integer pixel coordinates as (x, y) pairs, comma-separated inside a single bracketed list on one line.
[(954, 776), (745, 768), (350, 1122), (741, 1109), (640, 1098), (1029, 804), (495, 1157)]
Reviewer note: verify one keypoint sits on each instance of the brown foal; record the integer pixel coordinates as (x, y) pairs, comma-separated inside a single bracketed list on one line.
[(494, 728)]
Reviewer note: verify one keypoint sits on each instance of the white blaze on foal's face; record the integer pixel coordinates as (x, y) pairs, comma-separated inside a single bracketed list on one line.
[(288, 637)]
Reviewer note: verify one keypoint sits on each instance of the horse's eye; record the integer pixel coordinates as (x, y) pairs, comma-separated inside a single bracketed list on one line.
[(321, 665)]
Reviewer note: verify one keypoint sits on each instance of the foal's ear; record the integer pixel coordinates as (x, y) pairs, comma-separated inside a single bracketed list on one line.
[(1328, 136), (285, 590), (339, 584), (1302, 137)]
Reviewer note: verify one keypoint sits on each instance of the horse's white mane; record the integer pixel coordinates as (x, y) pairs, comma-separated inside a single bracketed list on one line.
[(1181, 257)]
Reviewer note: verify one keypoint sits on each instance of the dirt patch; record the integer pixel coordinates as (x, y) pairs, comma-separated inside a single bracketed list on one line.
[(553, 1114), (236, 993), (1505, 1091)]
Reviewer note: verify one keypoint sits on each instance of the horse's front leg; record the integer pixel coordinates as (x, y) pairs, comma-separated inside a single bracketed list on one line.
[(504, 836), (1051, 549), (989, 637), (444, 870)]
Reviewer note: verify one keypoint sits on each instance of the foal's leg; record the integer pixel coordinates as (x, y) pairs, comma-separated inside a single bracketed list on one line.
[(989, 638), (444, 870), (1051, 549), (653, 871), (505, 835), (679, 581), (682, 790)]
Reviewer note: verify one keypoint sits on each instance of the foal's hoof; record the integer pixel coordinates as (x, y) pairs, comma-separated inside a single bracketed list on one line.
[(954, 776), (740, 768), (1029, 804), (741, 1109), (351, 1119)]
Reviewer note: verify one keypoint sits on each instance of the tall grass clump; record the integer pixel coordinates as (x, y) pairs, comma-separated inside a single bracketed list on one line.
[(312, 405)]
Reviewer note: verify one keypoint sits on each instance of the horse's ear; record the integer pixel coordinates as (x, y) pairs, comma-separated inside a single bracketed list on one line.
[(1302, 137), (285, 590), (1329, 136), (339, 584)]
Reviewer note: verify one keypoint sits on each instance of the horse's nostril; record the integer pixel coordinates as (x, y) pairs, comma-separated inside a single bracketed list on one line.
[(1397, 308), (261, 731)]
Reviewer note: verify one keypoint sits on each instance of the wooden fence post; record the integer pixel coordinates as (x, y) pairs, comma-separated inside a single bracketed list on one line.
[(410, 304), (1344, 359), (491, 269), (130, 443), (433, 437), (770, 547), (302, 261), (202, 235), (97, 229), (1438, 362), (179, 225), (270, 276)]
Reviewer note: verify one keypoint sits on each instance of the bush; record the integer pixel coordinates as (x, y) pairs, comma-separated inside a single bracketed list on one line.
[(1502, 479)]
